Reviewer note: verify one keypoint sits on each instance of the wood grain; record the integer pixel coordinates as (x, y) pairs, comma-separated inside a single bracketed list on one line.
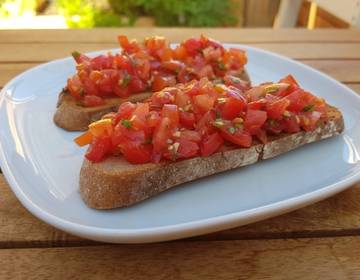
[(235, 35), (332, 217), (40, 52), (317, 258), (347, 71)]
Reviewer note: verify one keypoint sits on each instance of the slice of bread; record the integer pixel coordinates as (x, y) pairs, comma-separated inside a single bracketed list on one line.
[(116, 183), (74, 117), (71, 116)]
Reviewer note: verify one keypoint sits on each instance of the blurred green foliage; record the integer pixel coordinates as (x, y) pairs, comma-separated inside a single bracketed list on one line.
[(87, 14), (14, 8), (178, 12)]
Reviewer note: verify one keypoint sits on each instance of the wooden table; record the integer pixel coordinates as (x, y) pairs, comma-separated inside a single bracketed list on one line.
[(317, 242)]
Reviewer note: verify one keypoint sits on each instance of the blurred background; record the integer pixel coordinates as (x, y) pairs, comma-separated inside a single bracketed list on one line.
[(48, 14)]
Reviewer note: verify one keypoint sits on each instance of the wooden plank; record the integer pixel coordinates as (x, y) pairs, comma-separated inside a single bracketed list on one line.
[(318, 258), (335, 216), (260, 13), (36, 52), (236, 35), (347, 71)]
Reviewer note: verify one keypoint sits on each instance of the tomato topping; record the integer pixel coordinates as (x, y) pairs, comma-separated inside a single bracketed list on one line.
[(98, 149), (198, 118), (93, 100), (153, 65), (254, 120), (211, 144), (233, 107)]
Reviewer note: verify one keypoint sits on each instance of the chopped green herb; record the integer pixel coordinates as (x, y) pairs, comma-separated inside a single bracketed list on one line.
[(221, 66), (218, 123), (218, 114), (236, 80), (79, 104), (232, 130), (126, 123), (75, 54), (82, 93), (271, 121), (125, 80), (308, 107), (272, 88)]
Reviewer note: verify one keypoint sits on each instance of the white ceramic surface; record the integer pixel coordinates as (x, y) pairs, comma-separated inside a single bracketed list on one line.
[(42, 163)]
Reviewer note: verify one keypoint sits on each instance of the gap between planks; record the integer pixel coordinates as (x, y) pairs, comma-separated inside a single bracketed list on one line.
[(322, 258), (244, 35)]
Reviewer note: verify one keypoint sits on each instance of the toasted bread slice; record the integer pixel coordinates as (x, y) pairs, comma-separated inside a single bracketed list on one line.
[(74, 117), (117, 183)]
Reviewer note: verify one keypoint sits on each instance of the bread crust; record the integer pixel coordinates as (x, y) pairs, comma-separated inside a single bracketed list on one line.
[(72, 117), (116, 183)]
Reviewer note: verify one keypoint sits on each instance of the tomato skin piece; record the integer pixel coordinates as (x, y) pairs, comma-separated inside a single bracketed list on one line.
[(257, 105), (136, 153), (232, 108), (161, 134), (93, 101), (187, 148), (240, 138), (211, 144), (191, 135), (291, 124), (98, 149), (124, 112), (275, 110), (203, 103), (187, 119), (204, 125), (192, 46), (171, 112), (75, 87), (254, 120), (161, 82)]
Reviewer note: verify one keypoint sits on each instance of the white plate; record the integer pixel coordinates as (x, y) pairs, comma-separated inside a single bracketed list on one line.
[(42, 163)]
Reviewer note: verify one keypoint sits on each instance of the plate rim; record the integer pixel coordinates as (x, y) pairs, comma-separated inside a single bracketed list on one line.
[(179, 230)]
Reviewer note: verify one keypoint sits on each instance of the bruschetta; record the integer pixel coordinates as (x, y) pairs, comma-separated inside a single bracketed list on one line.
[(193, 130), (102, 83)]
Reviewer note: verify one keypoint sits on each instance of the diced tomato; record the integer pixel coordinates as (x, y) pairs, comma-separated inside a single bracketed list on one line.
[(172, 65), (182, 99), (171, 112), (254, 120), (190, 135), (309, 120), (233, 107), (180, 52), (124, 112), (236, 136), (98, 149), (93, 100), (138, 118), (275, 110), (187, 119), (129, 47), (136, 153), (193, 46), (161, 82), (257, 105), (75, 87), (161, 134), (153, 118), (255, 93), (299, 100), (187, 148), (291, 124), (204, 125), (203, 103), (211, 144), (261, 135)]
